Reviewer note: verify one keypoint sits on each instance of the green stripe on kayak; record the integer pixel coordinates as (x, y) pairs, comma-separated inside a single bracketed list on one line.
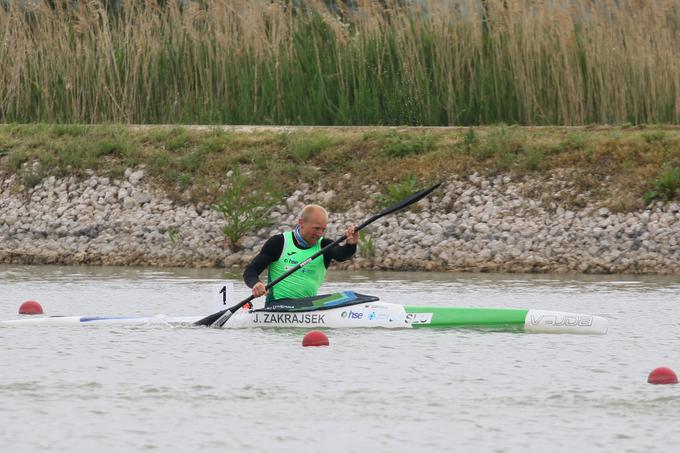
[(470, 317)]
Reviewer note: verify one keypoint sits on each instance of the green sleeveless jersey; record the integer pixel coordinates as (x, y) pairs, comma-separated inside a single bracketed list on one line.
[(304, 282)]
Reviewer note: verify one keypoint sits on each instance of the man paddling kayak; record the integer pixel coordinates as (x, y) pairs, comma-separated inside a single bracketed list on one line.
[(219, 318), (284, 251)]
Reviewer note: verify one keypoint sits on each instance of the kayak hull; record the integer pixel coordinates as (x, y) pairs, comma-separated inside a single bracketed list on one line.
[(369, 315)]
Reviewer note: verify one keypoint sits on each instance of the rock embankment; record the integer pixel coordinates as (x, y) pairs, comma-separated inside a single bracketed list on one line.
[(471, 224)]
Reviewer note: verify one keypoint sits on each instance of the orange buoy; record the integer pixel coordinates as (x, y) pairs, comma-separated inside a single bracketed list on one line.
[(315, 338), (30, 307)]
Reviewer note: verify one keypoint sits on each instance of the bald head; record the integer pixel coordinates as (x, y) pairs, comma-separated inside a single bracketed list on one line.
[(313, 210), (313, 221)]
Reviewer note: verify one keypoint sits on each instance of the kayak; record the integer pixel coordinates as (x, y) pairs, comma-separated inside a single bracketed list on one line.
[(352, 310)]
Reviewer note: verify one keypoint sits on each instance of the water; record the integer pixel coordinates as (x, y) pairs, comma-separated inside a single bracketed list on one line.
[(159, 388)]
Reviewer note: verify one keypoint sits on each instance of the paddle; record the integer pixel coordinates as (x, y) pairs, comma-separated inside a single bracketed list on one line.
[(221, 317)]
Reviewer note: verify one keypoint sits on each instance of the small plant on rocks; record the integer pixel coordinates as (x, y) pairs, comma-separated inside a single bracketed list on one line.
[(399, 191), (665, 187), (244, 208), (174, 235), (366, 245)]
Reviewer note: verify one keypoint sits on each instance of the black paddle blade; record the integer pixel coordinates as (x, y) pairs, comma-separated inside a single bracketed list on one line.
[(218, 319), (222, 320), (401, 205), (410, 200), (210, 319)]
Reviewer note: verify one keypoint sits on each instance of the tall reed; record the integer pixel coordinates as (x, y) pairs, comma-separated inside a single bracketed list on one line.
[(419, 62)]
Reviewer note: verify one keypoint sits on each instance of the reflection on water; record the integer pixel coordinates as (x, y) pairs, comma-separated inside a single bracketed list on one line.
[(137, 388)]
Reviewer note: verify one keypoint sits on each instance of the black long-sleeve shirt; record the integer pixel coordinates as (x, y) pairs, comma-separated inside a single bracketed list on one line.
[(272, 249)]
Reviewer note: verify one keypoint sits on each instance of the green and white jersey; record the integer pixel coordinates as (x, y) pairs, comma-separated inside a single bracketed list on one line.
[(305, 282)]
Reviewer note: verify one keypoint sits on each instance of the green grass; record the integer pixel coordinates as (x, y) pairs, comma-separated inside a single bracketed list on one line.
[(15, 160), (613, 166), (665, 187), (394, 144), (304, 147)]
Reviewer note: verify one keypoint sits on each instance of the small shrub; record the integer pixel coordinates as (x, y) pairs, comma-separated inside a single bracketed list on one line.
[(469, 139), (174, 235), (574, 141), (532, 159), (69, 130), (16, 160), (193, 161), (159, 163), (214, 143), (366, 247), (394, 144), (402, 146), (183, 180), (243, 208), (109, 147), (30, 179), (499, 141), (665, 187), (399, 191), (654, 136), (178, 141), (303, 147)]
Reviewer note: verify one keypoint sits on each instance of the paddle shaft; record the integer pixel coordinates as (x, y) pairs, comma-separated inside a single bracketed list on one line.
[(218, 319)]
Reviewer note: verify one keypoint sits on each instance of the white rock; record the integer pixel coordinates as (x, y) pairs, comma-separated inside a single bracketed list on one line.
[(481, 228), (129, 203), (141, 197), (135, 177)]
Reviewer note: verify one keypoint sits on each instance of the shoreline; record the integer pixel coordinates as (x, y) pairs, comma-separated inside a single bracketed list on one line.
[(471, 224)]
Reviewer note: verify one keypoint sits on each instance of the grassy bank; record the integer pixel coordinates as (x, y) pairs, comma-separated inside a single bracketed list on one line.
[(620, 168), (436, 62)]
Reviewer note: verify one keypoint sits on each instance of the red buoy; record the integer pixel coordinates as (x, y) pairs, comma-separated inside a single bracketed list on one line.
[(30, 307), (315, 338), (662, 375)]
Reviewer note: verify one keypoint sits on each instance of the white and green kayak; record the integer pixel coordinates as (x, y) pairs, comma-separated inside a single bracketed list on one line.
[(352, 310)]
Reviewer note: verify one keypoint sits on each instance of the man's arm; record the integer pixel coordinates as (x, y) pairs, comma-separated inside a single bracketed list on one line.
[(271, 251), (341, 252), (337, 252)]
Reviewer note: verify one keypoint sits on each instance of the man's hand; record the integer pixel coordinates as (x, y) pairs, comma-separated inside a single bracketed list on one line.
[(352, 235), (259, 289)]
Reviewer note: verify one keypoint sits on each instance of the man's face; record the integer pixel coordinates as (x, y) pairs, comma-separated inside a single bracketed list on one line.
[(313, 228)]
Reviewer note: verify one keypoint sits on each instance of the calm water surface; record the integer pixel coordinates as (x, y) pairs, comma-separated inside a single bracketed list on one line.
[(160, 388)]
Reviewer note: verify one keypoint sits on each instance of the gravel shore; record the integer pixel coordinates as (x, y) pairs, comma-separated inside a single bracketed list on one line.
[(472, 224)]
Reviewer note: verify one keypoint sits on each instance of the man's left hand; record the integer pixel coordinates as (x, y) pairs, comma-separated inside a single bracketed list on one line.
[(352, 235)]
